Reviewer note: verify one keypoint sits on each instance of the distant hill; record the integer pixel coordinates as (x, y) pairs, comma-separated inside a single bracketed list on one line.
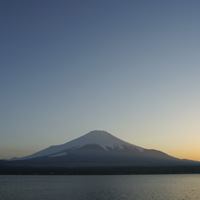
[(96, 150)]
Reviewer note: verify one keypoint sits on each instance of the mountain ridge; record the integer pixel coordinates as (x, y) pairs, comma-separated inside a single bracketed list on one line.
[(97, 152), (99, 137), (105, 142)]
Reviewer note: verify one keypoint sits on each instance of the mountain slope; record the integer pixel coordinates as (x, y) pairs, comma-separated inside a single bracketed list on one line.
[(98, 148), (97, 152), (101, 138)]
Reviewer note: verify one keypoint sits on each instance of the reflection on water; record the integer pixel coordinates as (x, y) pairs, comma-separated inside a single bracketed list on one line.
[(128, 187)]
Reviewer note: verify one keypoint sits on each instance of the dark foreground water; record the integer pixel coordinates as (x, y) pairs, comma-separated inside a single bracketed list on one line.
[(128, 187)]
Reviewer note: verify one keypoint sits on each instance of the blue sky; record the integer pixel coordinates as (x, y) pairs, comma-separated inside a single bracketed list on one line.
[(128, 67)]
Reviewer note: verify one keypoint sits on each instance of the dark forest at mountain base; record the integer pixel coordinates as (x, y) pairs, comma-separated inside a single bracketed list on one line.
[(10, 170)]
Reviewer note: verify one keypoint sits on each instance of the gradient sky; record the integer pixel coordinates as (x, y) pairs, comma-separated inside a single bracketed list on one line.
[(131, 68)]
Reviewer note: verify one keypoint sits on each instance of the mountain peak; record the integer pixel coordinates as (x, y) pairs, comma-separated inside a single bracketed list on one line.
[(103, 139), (98, 132), (97, 148), (96, 137)]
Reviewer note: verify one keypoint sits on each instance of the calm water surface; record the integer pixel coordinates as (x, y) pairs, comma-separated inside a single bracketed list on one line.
[(128, 187)]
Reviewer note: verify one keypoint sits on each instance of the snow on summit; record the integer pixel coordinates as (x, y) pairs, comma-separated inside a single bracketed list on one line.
[(104, 139), (101, 138)]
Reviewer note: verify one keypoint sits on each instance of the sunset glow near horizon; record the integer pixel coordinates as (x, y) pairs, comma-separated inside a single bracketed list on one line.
[(130, 68)]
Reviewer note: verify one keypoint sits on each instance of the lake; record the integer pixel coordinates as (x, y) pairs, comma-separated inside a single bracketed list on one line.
[(115, 187)]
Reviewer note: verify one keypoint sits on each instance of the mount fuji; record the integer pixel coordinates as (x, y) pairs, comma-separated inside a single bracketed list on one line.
[(97, 149), (91, 142), (98, 152)]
